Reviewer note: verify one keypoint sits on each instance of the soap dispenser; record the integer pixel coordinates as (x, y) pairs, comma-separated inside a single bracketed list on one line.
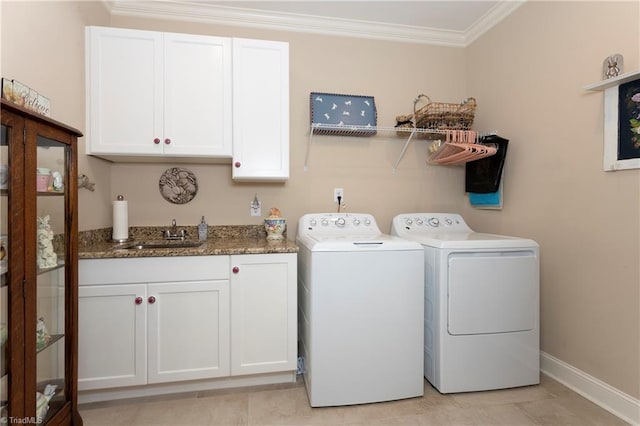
[(202, 230)]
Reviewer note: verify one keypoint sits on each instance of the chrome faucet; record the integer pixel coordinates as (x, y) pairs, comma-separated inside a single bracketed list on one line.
[(173, 233)]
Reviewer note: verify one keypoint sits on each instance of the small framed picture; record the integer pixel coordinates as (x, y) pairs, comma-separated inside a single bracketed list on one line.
[(629, 120), (622, 126)]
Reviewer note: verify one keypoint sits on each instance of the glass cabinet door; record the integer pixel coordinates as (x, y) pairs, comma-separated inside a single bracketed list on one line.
[(51, 269)]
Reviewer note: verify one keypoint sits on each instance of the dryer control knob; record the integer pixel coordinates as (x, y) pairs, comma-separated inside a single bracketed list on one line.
[(341, 222), (433, 221), (313, 222), (356, 221), (367, 222), (448, 221), (408, 222), (324, 222), (419, 221)]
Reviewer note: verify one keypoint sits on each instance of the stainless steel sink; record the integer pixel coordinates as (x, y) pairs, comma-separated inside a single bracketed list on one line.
[(158, 245)]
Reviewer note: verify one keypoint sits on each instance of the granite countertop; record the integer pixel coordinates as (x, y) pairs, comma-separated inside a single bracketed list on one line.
[(221, 240)]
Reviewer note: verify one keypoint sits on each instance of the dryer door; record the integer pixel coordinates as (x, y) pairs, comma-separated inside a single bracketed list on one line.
[(492, 292)]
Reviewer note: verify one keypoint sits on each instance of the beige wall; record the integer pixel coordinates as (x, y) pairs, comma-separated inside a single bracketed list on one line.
[(527, 75), (43, 47)]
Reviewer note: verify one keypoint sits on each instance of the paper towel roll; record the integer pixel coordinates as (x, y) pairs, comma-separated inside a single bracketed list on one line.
[(120, 220)]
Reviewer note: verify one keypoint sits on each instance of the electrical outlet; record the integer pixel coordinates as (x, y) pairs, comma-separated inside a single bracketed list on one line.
[(338, 192)]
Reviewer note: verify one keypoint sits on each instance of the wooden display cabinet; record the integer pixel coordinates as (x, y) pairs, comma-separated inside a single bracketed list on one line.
[(39, 268)]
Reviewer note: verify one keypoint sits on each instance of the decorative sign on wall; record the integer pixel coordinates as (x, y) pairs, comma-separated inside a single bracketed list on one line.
[(20, 94), (178, 185), (349, 115)]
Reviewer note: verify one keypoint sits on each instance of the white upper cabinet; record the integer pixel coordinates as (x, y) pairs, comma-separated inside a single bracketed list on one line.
[(260, 110), (157, 94), (153, 95), (197, 95)]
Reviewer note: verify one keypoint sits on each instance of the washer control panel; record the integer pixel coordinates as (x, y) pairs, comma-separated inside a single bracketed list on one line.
[(338, 224), (428, 222)]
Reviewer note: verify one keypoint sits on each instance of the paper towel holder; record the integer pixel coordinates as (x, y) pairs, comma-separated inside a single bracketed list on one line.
[(122, 240)]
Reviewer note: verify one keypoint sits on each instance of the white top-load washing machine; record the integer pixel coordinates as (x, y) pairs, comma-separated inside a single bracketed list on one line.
[(360, 309), (481, 304)]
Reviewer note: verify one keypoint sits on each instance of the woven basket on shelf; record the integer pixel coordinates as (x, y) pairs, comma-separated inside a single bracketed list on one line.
[(444, 116)]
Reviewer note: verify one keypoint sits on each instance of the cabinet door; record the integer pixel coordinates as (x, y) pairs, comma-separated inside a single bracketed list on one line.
[(50, 270), (112, 336), (197, 104), (188, 333), (124, 75), (263, 313), (260, 110)]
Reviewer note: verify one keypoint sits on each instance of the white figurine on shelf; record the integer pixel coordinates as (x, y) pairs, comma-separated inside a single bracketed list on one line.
[(58, 184), (47, 258), (42, 402)]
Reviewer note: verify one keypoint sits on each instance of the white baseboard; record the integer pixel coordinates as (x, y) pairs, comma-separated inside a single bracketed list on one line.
[(597, 391)]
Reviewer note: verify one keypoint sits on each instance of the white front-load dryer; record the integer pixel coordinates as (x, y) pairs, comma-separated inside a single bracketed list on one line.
[(481, 304)]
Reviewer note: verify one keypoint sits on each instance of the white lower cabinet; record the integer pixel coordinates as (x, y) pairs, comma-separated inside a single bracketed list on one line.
[(112, 332), (263, 313), (146, 339), (187, 331), (145, 321)]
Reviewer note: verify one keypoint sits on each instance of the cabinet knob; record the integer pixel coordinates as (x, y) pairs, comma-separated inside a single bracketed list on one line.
[(237, 164), (151, 299), (138, 300), (235, 269), (156, 141), (167, 141)]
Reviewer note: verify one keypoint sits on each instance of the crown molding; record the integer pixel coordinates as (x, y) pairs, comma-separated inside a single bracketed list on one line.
[(490, 19), (192, 11)]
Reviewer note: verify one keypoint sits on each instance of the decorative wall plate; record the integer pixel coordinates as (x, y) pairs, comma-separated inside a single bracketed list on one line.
[(178, 185)]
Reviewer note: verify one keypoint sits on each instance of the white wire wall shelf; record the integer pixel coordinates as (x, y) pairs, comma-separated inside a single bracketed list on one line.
[(343, 130)]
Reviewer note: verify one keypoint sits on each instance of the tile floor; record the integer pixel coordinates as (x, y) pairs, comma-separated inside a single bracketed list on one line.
[(549, 403)]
